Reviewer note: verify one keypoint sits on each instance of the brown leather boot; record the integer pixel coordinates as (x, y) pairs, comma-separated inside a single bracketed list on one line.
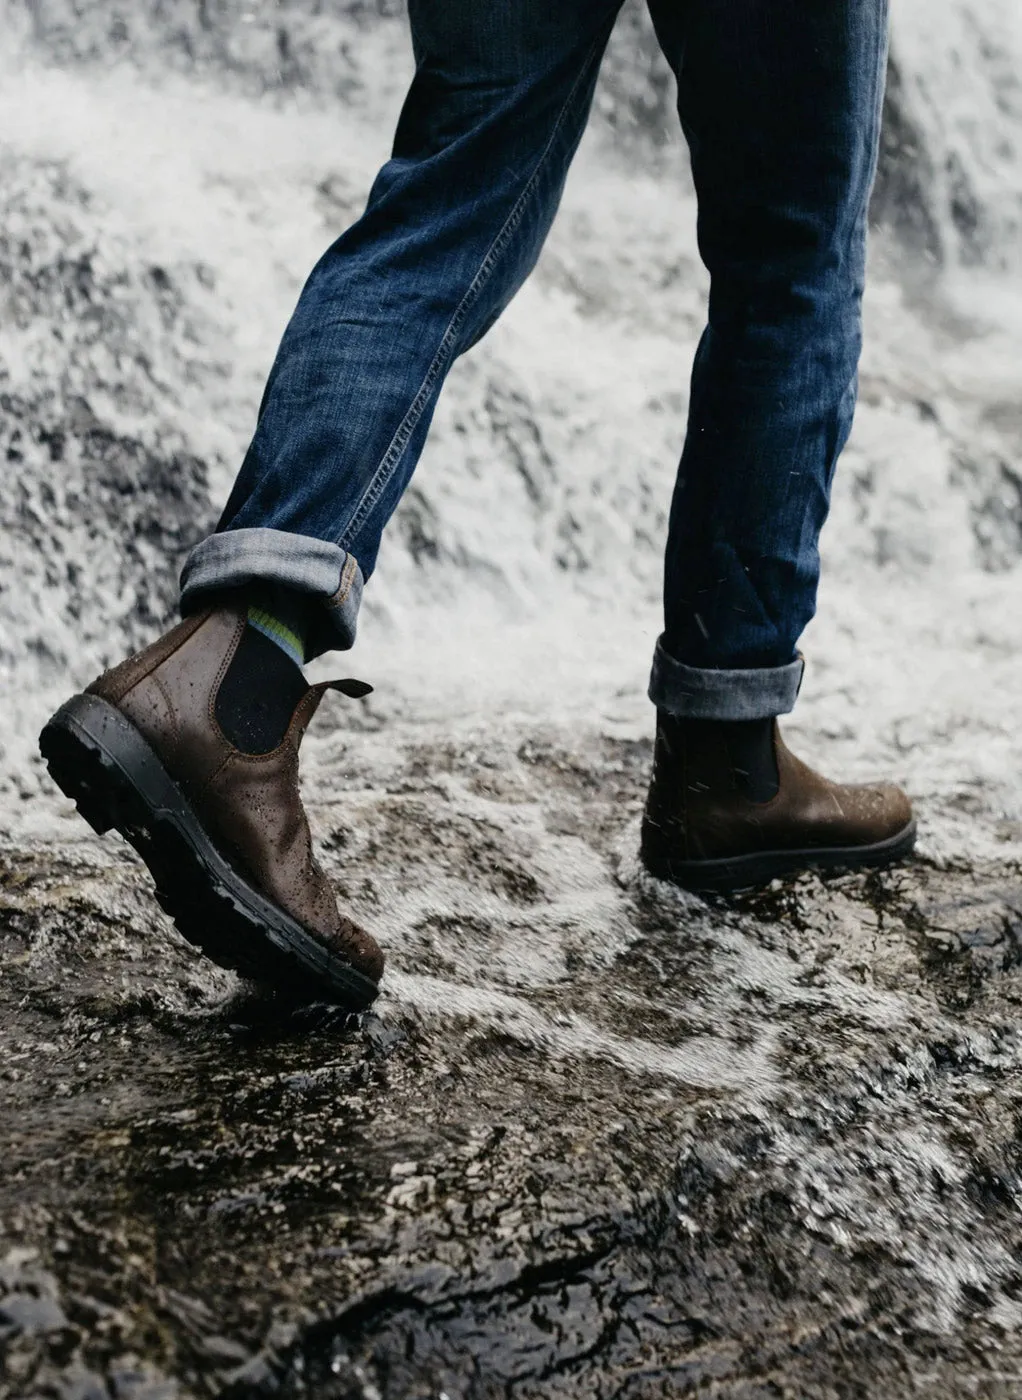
[(702, 828), (224, 833)]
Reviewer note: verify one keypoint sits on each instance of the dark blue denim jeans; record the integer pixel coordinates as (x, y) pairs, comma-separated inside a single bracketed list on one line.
[(780, 102)]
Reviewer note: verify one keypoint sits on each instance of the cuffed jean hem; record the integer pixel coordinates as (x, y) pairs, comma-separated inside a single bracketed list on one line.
[(317, 567), (696, 693)]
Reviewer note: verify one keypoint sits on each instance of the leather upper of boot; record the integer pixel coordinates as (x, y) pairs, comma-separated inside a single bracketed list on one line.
[(249, 804), (697, 808)]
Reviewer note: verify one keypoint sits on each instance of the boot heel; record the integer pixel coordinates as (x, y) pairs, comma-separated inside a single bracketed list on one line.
[(77, 767)]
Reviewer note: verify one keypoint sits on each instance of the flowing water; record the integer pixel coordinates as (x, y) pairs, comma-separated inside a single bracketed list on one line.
[(598, 1138)]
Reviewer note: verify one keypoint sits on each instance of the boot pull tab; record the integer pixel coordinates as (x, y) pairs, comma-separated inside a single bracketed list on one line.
[(310, 702), (355, 689)]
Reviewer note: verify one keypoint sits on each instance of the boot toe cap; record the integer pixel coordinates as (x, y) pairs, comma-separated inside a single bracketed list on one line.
[(897, 808), (880, 812), (359, 948)]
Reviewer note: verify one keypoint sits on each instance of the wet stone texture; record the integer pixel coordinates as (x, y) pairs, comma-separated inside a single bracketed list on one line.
[(598, 1139)]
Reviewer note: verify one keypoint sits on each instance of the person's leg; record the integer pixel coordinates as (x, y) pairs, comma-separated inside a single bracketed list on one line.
[(190, 748), (454, 223), (780, 101)]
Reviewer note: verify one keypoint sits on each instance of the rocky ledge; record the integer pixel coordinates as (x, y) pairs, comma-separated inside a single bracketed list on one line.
[(599, 1138)]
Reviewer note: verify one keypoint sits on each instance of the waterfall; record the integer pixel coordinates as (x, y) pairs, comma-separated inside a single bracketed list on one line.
[(951, 175), (172, 170)]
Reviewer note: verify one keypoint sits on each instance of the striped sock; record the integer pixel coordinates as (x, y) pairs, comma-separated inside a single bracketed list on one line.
[(286, 631), (264, 681)]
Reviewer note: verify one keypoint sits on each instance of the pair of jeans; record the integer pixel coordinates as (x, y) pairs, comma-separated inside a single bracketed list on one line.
[(780, 102)]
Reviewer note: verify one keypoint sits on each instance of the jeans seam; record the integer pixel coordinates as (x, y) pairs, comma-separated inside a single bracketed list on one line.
[(406, 427), (344, 586)]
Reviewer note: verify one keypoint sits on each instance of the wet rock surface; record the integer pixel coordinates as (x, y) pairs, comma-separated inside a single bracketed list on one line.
[(761, 1147)]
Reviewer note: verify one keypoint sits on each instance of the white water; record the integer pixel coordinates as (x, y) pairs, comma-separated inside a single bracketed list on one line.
[(916, 656), (959, 62)]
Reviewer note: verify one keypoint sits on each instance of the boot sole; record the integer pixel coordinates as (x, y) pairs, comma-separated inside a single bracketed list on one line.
[(100, 760), (735, 873)]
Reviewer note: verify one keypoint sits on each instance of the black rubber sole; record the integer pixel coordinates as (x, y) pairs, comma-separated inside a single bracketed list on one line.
[(99, 759), (736, 873)]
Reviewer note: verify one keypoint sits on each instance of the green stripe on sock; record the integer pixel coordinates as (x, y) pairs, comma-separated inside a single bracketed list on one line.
[(288, 640)]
